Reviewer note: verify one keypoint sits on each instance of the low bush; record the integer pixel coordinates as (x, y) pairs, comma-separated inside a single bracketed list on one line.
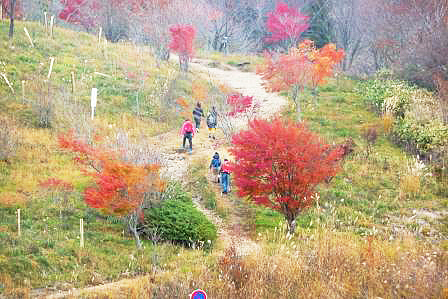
[(417, 119), (180, 222)]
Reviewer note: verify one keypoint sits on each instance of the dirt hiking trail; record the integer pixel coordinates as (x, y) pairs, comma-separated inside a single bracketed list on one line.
[(177, 164)]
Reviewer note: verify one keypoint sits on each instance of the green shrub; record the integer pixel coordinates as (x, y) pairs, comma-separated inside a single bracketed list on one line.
[(179, 222)]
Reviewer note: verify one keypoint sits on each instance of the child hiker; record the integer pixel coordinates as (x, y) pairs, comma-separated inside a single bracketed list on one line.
[(187, 131), (215, 164), (212, 120), (225, 176), (197, 114)]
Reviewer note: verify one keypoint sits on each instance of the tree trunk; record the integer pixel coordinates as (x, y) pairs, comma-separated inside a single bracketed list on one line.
[(296, 99), (291, 225), (132, 220), (12, 12), (183, 62)]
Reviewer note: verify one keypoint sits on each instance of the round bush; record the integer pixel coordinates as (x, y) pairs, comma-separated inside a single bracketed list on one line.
[(179, 222)]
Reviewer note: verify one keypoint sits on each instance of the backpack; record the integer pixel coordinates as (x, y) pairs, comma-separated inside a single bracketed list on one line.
[(211, 118), (216, 163), (189, 127)]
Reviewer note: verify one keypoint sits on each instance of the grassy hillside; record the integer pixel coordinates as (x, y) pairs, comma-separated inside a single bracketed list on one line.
[(377, 230), (136, 96)]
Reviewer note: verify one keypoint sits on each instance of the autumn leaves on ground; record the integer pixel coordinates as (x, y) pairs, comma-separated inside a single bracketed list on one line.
[(367, 220)]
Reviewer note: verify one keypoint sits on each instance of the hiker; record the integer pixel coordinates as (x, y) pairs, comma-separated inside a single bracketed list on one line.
[(215, 164), (212, 120), (225, 176), (197, 114), (187, 131)]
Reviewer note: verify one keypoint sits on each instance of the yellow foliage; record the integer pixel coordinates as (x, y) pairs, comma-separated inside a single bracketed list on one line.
[(388, 121), (409, 184), (12, 199), (199, 92)]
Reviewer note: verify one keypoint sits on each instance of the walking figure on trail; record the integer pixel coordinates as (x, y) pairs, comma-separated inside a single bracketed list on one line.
[(212, 121), (187, 131), (197, 114), (215, 164), (225, 176)]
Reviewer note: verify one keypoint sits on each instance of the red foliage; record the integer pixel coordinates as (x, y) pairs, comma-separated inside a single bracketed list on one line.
[(239, 103), (182, 37), (7, 7), (119, 186), (286, 23), (279, 164)]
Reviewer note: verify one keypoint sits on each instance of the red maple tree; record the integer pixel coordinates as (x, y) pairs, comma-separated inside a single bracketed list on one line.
[(182, 37), (120, 187), (280, 163), (286, 24)]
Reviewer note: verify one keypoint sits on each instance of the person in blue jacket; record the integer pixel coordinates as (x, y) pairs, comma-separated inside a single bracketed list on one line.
[(215, 166)]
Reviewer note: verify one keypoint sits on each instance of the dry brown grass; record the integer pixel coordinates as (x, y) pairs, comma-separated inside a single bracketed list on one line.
[(318, 265)]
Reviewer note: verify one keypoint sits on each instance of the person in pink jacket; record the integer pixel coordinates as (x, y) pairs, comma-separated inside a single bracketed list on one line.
[(187, 131)]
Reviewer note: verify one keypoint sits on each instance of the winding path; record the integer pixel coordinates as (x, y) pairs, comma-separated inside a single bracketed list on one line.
[(176, 164)]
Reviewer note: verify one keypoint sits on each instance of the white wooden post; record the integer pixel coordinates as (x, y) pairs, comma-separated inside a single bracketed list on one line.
[(51, 67), (7, 82), (1, 10), (81, 232), (51, 26), (46, 22), (73, 82), (93, 99), (99, 34), (29, 37), (23, 91), (18, 222)]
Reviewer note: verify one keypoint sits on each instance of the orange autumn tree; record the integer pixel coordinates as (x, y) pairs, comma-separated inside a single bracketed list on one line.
[(120, 187), (304, 66)]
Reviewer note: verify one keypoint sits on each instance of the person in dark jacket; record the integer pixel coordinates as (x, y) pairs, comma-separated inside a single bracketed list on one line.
[(215, 164), (212, 120), (197, 114)]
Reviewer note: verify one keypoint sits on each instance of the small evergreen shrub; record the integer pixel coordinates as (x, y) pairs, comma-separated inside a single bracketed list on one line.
[(180, 222)]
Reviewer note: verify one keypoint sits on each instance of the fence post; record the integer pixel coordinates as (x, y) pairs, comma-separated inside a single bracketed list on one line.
[(18, 222), (81, 232), (93, 100), (23, 91), (46, 22), (51, 26), (51, 67), (29, 37), (73, 82)]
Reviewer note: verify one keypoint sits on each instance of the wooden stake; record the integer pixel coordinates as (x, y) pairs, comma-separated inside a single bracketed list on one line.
[(29, 37), (81, 232), (73, 82), (23, 91), (51, 67), (99, 35), (46, 22), (18, 222), (51, 26), (7, 82), (93, 100)]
